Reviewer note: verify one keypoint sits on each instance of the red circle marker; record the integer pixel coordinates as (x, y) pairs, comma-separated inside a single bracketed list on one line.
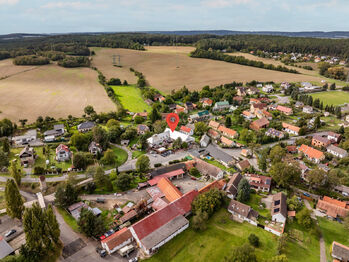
[(172, 120)]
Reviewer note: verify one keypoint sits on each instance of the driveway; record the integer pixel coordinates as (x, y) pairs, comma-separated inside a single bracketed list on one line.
[(282, 99)]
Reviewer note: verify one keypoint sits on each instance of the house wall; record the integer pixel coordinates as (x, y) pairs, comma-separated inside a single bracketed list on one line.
[(272, 231), (279, 218)]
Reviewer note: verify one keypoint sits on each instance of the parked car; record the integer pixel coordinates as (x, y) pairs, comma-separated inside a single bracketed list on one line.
[(11, 232), (109, 233), (100, 200), (101, 252), (135, 259), (306, 194)]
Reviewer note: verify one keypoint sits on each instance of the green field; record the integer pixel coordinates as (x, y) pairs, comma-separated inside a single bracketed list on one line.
[(131, 99), (216, 242), (333, 231), (332, 97)]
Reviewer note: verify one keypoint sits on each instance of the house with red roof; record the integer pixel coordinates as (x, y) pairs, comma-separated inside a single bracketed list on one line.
[(187, 130), (117, 240), (227, 142), (259, 124), (286, 110), (333, 207), (158, 228), (258, 182), (170, 191), (63, 153), (214, 125), (213, 134), (291, 129), (311, 153), (228, 132), (206, 102)]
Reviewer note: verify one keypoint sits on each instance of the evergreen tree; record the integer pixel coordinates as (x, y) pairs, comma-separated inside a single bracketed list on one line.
[(6, 145), (89, 224), (317, 122), (15, 172), (243, 190), (143, 164), (333, 86), (228, 121), (154, 115), (14, 201), (66, 195), (52, 225)]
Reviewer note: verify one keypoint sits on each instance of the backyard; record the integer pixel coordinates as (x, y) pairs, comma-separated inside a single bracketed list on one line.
[(131, 98), (332, 97)]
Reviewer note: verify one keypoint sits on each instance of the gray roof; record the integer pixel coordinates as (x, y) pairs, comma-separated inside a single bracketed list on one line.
[(163, 170), (86, 125), (5, 248), (205, 138), (219, 154), (340, 251), (242, 209), (59, 126), (232, 186), (337, 149), (164, 232)]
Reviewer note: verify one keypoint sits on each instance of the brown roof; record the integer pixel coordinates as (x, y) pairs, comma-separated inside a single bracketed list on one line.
[(206, 168), (226, 141), (321, 139), (128, 216), (213, 133), (259, 105), (332, 209), (227, 131), (335, 202), (291, 148), (170, 191), (219, 184), (279, 204), (232, 186), (117, 238), (291, 213), (260, 123), (284, 109), (214, 124), (243, 164), (242, 209)]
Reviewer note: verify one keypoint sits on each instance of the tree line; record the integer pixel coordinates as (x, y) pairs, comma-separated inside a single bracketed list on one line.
[(217, 55)]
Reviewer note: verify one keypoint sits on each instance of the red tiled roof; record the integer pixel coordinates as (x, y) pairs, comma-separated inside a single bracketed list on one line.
[(117, 238), (291, 127), (284, 109), (158, 204), (170, 191), (311, 152), (227, 131), (161, 217), (62, 147), (156, 179), (185, 129), (226, 141), (260, 123), (219, 184), (213, 133), (213, 124), (335, 202)]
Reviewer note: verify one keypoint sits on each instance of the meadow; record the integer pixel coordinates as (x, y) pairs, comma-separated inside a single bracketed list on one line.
[(332, 97), (168, 67), (52, 91), (131, 99)]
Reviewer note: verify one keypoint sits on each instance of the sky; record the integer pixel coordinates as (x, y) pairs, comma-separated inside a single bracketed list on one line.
[(62, 16)]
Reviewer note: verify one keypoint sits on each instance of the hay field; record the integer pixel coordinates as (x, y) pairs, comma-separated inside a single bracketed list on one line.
[(332, 97), (167, 69), (7, 68), (53, 91)]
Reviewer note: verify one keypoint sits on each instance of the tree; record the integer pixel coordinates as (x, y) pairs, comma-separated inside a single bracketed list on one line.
[(199, 221), (4, 159), (316, 177), (15, 172), (282, 243), (294, 204), (284, 173), (23, 122), (66, 195), (143, 164), (89, 224), (100, 136), (89, 110), (244, 253), (228, 121), (52, 225), (247, 136), (194, 172), (159, 126), (109, 158), (114, 134), (200, 128), (207, 202), (254, 240), (333, 86), (138, 119), (123, 181), (277, 153), (154, 115), (14, 201), (6, 145), (80, 141), (280, 258), (112, 122), (303, 218), (99, 176), (317, 122), (243, 190), (81, 160), (177, 143)]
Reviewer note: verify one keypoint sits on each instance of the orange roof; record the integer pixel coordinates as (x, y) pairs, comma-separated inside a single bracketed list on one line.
[(227, 131), (226, 141), (284, 109), (185, 129), (219, 184), (335, 202), (332, 209), (267, 114), (291, 213), (246, 113), (213, 133), (311, 152), (117, 238), (291, 127), (213, 124), (170, 191)]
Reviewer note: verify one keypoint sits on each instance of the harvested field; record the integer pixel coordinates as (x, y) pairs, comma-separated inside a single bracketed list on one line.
[(7, 68), (53, 91), (167, 69)]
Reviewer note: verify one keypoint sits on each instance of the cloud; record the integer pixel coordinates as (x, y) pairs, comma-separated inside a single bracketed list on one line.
[(8, 2), (225, 3), (72, 5)]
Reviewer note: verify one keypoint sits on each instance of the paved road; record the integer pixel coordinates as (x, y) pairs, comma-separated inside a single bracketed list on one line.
[(282, 99), (26, 195)]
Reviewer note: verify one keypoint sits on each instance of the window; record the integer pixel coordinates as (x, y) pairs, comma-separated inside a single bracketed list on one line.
[(277, 202), (276, 210)]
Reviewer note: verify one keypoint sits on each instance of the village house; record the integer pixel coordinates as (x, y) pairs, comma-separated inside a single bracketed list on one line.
[(320, 141), (186, 130), (242, 165), (311, 153), (189, 106), (286, 110), (220, 106), (142, 129), (245, 152), (158, 228), (63, 153), (241, 212), (170, 191), (27, 156), (259, 182), (206, 102), (272, 132), (259, 124), (180, 109), (241, 91), (94, 148), (291, 149), (159, 97), (200, 116), (339, 252), (252, 90), (232, 186), (334, 137), (86, 126), (291, 129), (248, 115), (257, 106), (342, 189), (117, 240), (167, 136), (337, 151), (279, 208), (205, 140), (272, 107), (238, 99), (263, 113), (332, 207), (268, 88), (171, 172), (308, 110), (141, 114), (5, 248), (213, 124), (228, 132), (51, 135), (213, 134), (227, 142), (29, 136), (299, 104), (205, 168)]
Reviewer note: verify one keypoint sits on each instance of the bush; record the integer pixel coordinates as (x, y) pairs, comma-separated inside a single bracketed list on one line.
[(157, 164), (38, 170), (31, 60), (74, 61), (254, 240), (114, 82)]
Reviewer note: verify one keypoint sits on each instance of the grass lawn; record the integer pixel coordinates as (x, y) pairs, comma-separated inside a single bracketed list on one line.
[(332, 231), (121, 157), (68, 219), (216, 242), (2, 200), (254, 202), (307, 246), (136, 154), (131, 98), (332, 97)]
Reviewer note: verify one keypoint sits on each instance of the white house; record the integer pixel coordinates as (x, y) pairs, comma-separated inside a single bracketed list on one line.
[(117, 240), (167, 135), (308, 110), (30, 135), (242, 212), (268, 88), (63, 153), (337, 151)]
